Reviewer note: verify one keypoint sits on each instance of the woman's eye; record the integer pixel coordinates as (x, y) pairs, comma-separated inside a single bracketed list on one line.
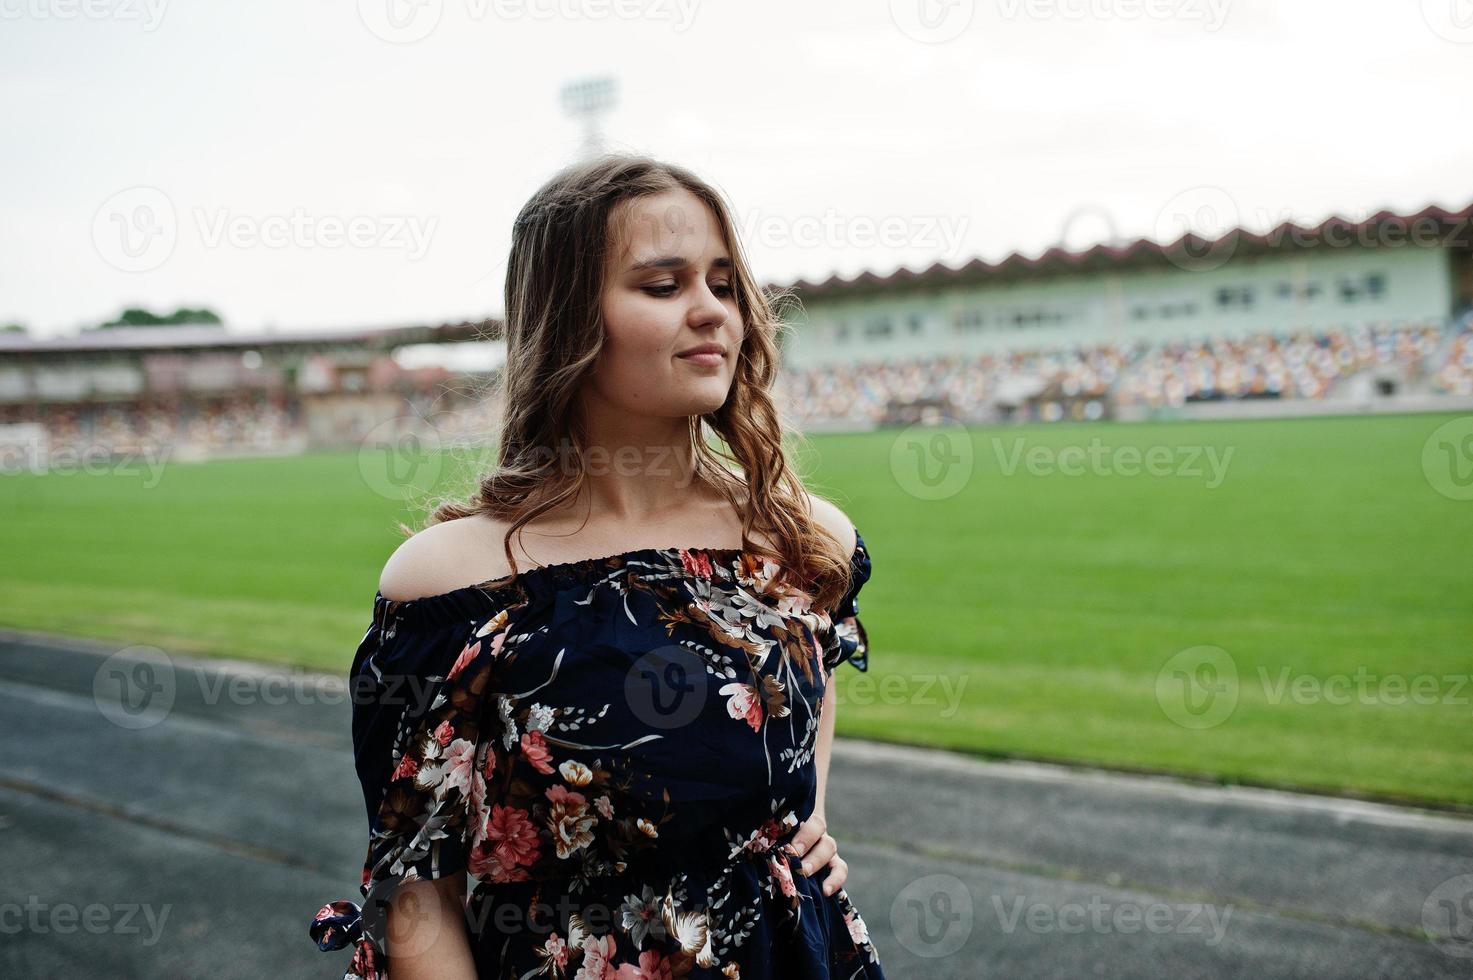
[(669, 289)]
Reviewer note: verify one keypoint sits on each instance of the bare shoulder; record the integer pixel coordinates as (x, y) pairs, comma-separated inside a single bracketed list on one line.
[(835, 521), (444, 557)]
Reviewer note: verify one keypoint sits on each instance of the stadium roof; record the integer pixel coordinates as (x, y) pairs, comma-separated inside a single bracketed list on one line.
[(210, 337), (1187, 252)]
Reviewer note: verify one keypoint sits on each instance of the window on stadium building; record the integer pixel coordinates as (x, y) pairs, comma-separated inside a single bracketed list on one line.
[(969, 321), (1307, 291), (1231, 296), (1170, 311)]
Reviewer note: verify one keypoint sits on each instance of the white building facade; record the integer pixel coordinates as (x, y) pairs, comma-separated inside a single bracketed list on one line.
[(1391, 269)]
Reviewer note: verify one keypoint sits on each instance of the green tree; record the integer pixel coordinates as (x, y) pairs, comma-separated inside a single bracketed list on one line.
[(136, 317)]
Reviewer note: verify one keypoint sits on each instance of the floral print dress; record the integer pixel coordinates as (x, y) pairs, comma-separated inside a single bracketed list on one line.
[(617, 750)]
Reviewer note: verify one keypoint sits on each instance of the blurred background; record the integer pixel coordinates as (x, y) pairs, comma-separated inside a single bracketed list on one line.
[(1136, 336)]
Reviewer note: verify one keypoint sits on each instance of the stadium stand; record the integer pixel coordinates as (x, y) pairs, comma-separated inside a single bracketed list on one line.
[(1299, 364), (224, 395), (199, 392), (1058, 383), (1455, 375)]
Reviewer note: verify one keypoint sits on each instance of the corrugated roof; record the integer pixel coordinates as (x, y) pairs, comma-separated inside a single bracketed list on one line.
[(211, 337), (1188, 251)]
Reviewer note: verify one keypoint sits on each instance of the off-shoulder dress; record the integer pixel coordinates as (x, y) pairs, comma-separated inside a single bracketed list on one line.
[(617, 750)]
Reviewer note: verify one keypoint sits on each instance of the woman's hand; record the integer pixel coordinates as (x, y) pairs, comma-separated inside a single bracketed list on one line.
[(817, 848)]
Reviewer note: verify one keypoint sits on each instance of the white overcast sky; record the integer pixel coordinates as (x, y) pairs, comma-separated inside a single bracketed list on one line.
[(155, 152)]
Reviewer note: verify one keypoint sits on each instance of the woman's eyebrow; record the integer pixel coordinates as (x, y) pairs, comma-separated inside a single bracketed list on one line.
[(676, 262)]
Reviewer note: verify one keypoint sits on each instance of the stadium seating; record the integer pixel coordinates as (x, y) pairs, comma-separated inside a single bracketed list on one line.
[(1030, 383), (1272, 364)]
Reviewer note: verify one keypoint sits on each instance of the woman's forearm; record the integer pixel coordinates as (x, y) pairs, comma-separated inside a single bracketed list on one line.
[(427, 935), (824, 745)]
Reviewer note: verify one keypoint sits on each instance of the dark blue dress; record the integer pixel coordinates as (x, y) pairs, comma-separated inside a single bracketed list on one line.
[(617, 750)]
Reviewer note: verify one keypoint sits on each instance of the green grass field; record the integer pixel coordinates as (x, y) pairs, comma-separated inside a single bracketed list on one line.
[(1030, 612)]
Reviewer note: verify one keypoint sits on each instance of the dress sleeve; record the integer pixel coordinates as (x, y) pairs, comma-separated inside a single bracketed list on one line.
[(425, 746), (850, 642)]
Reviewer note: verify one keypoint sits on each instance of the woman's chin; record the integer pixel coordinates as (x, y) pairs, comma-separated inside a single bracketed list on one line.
[(704, 406)]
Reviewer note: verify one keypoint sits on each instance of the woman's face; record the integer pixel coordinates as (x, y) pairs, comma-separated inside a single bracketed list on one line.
[(669, 287)]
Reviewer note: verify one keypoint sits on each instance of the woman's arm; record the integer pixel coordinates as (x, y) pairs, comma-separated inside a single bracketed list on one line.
[(812, 841), (427, 935), (822, 747)]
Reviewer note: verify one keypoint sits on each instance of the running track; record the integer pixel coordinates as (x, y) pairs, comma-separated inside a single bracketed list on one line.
[(195, 838)]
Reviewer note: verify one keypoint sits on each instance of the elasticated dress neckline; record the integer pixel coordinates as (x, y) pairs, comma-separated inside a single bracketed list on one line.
[(545, 581)]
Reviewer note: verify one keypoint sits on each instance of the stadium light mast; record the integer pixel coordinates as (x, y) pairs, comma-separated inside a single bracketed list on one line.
[(587, 100)]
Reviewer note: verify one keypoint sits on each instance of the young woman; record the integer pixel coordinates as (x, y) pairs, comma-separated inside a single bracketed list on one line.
[(621, 730)]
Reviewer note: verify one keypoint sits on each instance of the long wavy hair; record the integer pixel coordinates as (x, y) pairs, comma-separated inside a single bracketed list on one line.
[(554, 331)]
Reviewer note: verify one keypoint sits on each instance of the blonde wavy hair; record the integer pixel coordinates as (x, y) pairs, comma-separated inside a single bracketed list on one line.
[(554, 331)]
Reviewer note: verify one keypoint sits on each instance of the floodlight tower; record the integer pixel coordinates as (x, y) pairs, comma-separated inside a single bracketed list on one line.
[(588, 99)]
